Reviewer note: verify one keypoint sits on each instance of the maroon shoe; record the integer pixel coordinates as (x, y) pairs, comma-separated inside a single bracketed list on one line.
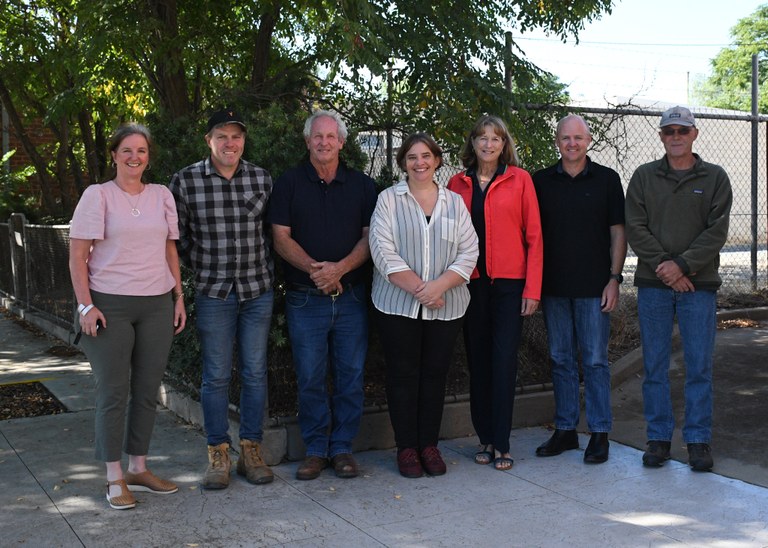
[(432, 461), (408, 463)]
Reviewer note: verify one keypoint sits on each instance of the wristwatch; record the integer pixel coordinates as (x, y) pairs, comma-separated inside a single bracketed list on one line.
[(618, 277)]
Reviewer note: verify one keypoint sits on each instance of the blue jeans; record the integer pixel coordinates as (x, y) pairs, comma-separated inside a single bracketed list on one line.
[(575, 325), (696, 318), (327, 331), (221, 322)]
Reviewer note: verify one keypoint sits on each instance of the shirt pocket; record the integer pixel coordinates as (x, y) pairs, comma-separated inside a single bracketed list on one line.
[(253, 203), (448, 230)]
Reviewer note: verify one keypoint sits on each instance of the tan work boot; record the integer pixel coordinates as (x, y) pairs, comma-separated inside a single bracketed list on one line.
[(251, 464), (217, 473)]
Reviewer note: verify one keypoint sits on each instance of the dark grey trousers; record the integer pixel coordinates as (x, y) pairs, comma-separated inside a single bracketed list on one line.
[(128, 358)]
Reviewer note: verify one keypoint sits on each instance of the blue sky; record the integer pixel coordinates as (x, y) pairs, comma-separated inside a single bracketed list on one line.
[(647, 49)]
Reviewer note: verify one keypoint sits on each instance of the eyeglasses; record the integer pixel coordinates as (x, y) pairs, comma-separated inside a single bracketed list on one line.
[(669, 131)]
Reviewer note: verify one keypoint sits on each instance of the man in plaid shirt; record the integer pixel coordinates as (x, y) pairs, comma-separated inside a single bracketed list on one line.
[(221, 203)]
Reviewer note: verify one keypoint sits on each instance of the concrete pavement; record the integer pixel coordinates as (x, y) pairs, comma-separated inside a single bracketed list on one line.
[(52, 491)]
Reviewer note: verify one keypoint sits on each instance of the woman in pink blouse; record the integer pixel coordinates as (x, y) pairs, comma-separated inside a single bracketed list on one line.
[(125, 273)]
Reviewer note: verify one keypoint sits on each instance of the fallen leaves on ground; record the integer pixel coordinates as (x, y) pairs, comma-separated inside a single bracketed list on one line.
[(28, 399), (737, 323)]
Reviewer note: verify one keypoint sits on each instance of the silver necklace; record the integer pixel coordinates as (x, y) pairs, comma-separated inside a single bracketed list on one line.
[(134, 209)]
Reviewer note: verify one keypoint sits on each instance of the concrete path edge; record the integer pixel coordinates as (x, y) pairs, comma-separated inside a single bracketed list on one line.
[(282, 437)]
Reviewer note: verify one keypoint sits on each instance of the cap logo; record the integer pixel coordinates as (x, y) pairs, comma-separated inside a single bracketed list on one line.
[(675, 115)]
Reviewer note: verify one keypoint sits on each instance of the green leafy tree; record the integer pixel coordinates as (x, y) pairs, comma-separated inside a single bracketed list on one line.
[(85, 66), (730, 85)]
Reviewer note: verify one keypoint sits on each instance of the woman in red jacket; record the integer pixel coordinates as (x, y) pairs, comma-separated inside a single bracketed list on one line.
[(505, 286)]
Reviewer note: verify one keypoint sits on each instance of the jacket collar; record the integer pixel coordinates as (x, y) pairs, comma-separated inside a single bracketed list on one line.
[(664, 164)]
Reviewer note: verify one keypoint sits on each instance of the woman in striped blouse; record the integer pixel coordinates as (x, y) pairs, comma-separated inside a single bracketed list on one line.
[(424, 248)]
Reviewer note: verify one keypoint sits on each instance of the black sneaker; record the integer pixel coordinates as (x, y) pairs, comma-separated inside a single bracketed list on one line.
[(700, 457), (656, 454)]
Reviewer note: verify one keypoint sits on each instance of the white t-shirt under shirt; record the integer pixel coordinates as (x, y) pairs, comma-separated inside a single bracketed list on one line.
[(128, 253)]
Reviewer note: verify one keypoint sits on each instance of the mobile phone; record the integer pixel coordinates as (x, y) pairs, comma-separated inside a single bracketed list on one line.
[(80, 333)]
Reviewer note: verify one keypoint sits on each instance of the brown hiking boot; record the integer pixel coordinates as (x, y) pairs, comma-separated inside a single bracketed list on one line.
[(217, 473), (251, 464)]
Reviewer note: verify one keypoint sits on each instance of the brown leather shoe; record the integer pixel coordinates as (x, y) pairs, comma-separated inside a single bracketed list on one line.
[(124, 500), (148, 482), (344, 465), (311, 467)]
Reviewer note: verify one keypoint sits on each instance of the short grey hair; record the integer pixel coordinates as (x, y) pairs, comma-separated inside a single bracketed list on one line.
[(568, 119), (329, 114)]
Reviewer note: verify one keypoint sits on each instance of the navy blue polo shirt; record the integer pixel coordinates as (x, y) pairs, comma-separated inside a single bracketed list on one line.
[(576, 216), (326, 218)]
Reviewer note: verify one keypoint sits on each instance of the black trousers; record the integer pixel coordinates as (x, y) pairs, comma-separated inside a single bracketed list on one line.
[(492, 336), (418, 354)]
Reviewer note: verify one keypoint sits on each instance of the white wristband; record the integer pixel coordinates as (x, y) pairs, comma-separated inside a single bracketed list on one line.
[(80, 308), (85, 310)]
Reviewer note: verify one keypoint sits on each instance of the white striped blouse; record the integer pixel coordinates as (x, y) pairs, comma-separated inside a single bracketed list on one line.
[(401, 239)]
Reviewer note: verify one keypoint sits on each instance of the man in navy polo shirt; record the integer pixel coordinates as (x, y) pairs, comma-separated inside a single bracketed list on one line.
[(582, 219), (320, 212)]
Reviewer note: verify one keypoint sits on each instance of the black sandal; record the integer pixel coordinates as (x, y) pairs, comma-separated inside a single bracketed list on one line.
[(503, 463), (485, 456)]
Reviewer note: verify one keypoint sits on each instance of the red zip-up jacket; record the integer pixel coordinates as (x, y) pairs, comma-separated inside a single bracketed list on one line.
[(514, 247)]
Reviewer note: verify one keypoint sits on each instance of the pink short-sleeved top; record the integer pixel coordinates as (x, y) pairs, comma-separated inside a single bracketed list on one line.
[(128, 252)]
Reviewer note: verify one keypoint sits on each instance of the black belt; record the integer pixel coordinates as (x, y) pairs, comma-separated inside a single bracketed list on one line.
[(310, 290)]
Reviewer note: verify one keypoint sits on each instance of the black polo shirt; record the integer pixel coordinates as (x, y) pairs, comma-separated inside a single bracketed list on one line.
[(576, 216), (326, 219)]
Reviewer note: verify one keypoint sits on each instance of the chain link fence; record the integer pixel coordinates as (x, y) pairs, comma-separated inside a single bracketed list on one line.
[(625, 138), (34, 269)]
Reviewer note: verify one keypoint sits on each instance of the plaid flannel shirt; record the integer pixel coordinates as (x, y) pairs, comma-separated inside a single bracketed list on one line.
[(222, 230)]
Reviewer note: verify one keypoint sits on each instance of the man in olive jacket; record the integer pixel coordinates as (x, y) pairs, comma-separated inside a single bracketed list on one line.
[(677, 211)]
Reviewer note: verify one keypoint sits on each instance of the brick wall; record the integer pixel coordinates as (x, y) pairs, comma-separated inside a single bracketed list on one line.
[(40, 137), (38, 134)]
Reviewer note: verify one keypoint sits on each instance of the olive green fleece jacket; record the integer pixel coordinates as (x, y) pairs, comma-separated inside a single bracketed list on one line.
[(684, 219)]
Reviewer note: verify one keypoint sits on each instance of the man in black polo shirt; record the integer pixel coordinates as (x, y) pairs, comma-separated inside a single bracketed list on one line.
[(320, 212), (582, 217)]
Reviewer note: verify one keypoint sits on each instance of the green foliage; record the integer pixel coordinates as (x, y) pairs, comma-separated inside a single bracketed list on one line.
[(274, 142), (13, 198), (184, 362), (438, 69), (84, 67), (730, 85), (178, 143)]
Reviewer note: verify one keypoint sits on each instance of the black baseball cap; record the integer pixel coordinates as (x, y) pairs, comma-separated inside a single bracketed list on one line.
[(225, 116)]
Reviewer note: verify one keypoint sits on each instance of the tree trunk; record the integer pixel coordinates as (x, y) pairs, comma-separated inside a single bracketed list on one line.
[(84, 120), (41, 169), (169, 80), (261, 48), (62, 164), (101, 150)]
